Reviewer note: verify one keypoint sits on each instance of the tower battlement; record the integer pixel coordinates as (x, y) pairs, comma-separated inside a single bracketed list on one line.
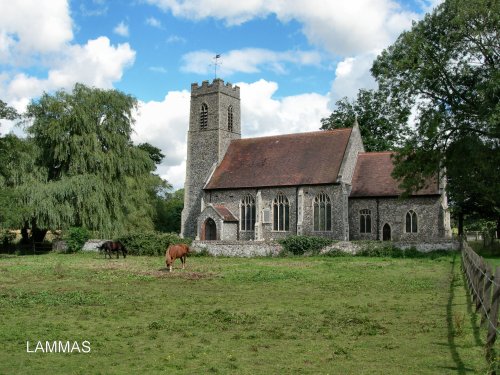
[(214, 121), (216, 85)]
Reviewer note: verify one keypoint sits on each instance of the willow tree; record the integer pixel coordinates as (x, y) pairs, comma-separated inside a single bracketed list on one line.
[(83, 138)]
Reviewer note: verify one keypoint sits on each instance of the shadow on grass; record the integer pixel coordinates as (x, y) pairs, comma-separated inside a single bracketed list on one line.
[(460, 366), (26, 249), (491, 355)]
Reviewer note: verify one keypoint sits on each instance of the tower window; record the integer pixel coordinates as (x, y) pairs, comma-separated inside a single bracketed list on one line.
[(365, 221), (322, 212), (230, 118), (247, 217), (204, 116), (411, 222), (281, 213)]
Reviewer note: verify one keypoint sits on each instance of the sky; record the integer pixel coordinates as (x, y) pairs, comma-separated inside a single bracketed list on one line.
[(293, 59)]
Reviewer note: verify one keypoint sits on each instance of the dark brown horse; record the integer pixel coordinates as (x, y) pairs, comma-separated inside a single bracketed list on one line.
[(176, 251), (113, 246)]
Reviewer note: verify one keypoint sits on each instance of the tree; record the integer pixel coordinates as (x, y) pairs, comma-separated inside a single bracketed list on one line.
[(17, 169), (85, 151), (7, 112), (169, 210), (154, 152), (383, 126), (447, 67), (12, 158)]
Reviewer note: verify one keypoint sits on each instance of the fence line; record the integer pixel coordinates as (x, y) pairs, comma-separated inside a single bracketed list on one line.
[(485, 291)]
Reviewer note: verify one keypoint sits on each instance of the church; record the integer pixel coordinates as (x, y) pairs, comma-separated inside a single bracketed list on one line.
[(320, 183)]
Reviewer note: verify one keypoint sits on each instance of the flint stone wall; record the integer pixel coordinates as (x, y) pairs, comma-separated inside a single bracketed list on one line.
[(258, 248), (93, 245), (238, 248)]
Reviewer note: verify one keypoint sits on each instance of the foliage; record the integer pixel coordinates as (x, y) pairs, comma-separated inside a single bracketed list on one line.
[(383, 126), (299, 245), (150, 243), (154, 152), (447, 67), (17, 157), (168, 212), (93, 172), (75, 238), (7, 112)]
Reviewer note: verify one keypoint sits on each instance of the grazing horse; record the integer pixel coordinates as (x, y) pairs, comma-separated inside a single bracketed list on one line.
[(176, 251), (113, 246)]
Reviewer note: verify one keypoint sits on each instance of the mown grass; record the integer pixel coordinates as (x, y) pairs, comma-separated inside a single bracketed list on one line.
[(316, 315), (491, 253)]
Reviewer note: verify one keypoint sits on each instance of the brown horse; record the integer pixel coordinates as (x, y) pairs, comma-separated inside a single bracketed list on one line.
[(113, 246), (176, 251)]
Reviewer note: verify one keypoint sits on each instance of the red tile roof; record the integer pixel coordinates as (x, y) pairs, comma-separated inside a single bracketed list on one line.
[(224, 213), (284, 160), (372, 177)]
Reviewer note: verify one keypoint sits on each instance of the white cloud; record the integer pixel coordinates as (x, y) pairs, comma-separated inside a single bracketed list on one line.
[(248, 60), (343, 28), (154, 22), (121, 29), (96, 63), (164, 124), (351, 74), (33, 26), (264, 115), (428, 5), (38, 33), (233, 12)]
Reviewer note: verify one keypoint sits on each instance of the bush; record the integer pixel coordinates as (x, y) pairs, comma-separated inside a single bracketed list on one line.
[(150, 243), (299, 245), (75, 238)]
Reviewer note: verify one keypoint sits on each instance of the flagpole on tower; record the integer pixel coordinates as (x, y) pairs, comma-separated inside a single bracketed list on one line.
[(216, 63)]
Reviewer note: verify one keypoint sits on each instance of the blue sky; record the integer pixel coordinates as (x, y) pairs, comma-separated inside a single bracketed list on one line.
[(291, 58)]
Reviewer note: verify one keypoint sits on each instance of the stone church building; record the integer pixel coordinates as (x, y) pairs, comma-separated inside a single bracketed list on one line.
[(319, 183)]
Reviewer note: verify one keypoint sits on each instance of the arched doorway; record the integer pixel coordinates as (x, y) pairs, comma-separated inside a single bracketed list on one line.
[(209, 230), (386, 232)]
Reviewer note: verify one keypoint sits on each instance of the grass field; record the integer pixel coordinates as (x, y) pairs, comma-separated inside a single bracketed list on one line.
[(317, 315)]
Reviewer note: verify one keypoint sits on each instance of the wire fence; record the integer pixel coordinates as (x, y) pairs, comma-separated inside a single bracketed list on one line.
[(484, 287)]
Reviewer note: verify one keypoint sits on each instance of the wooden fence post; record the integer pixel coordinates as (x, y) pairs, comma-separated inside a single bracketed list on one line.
[(487, 295), (492, 327)]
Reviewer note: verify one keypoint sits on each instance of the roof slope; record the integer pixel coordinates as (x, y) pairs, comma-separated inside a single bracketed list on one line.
[(285, 160), (372, 177), (224, 213)]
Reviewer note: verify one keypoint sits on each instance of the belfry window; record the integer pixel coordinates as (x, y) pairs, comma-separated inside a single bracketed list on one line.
[(230, 118), (204, 116), (411, 222), (365, 221), (322, 212), (247, 210), (281, 213)]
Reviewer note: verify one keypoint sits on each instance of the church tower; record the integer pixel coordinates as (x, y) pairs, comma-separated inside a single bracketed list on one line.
[(214, 121)]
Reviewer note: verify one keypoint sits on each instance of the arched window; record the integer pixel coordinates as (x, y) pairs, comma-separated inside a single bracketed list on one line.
[(322, 212), (230, 118), (204, 116), (247, 209), (365, 221), (281, 213), (411, 222)]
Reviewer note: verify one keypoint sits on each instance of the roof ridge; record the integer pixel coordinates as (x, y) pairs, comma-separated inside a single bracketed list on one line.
[(315, 132), (377, 152)]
